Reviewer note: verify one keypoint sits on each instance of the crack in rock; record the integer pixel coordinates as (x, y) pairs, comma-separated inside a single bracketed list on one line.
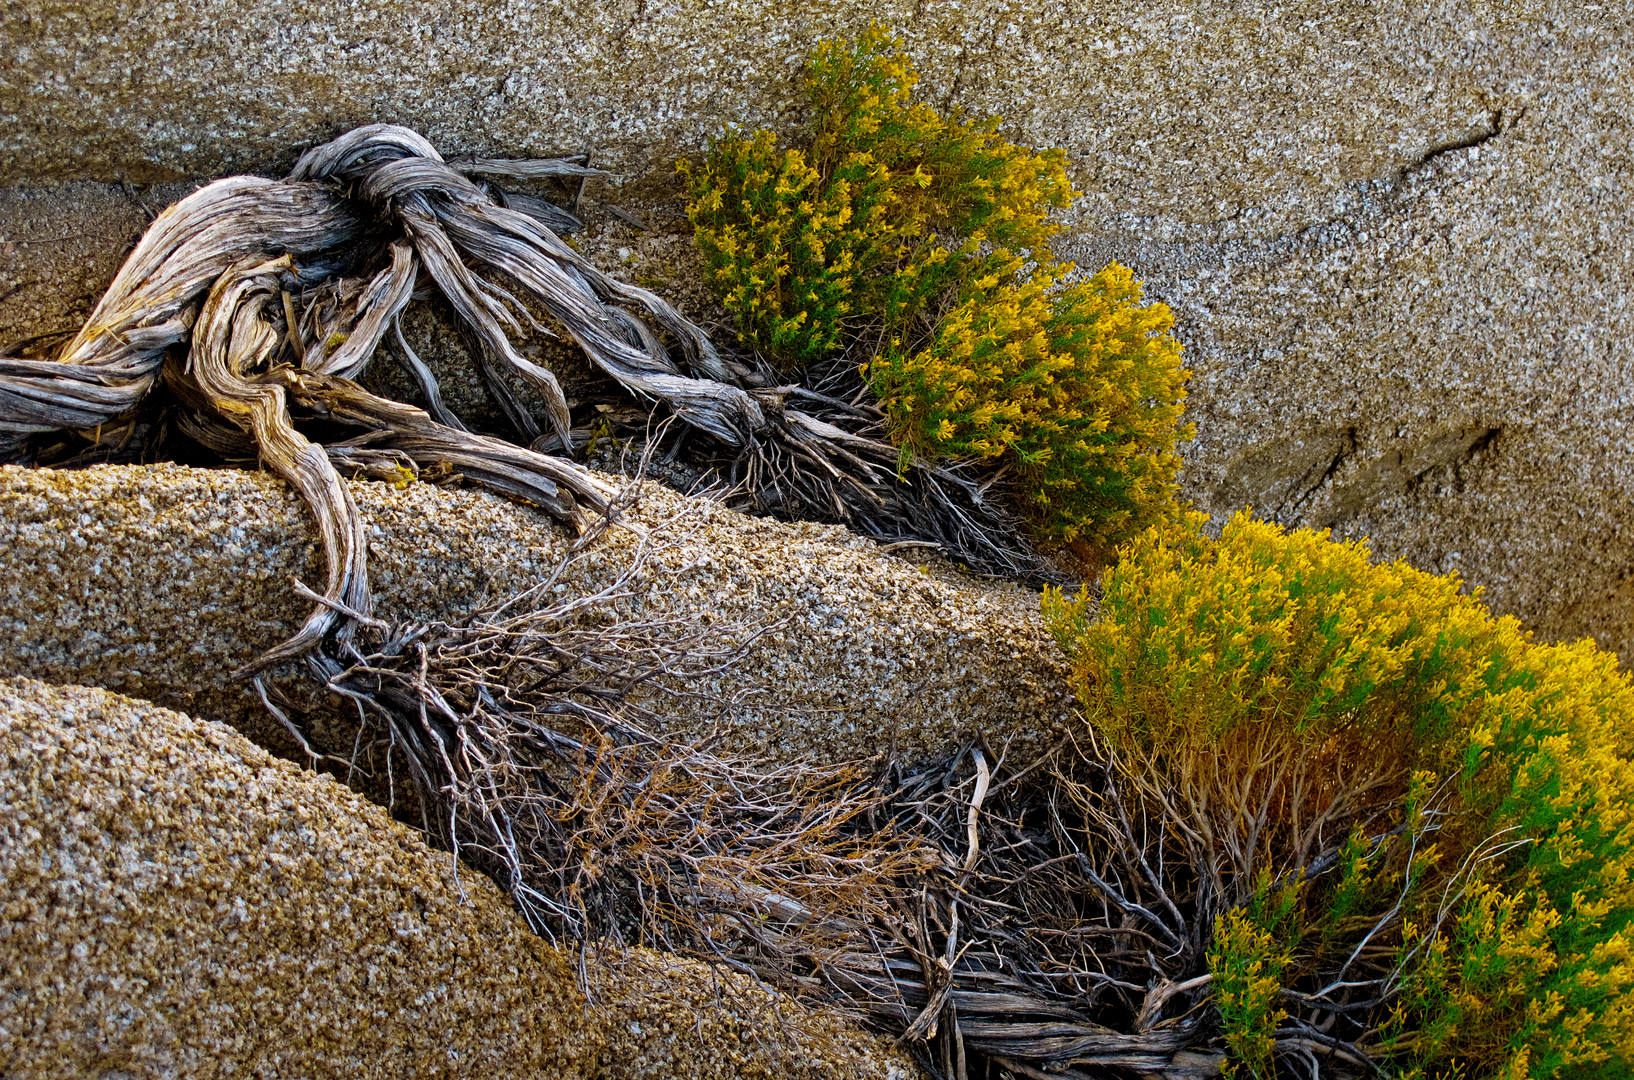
[(1480, 137)]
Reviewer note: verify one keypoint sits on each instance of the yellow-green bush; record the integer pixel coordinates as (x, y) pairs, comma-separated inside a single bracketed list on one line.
[(1078, 386), (887, 207), (924, 240), (1532, 974), (1247, 957), (1476, 790)]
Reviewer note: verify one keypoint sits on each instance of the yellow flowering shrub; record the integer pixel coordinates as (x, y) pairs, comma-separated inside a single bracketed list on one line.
[(1246, 957), (924, 239), (1537, 976), (1079, 386), (1199, 642), (1481, 786), (890, 206), (784, 247)]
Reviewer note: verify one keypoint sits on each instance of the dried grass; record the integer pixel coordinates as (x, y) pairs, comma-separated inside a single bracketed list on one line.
[(990, 917)]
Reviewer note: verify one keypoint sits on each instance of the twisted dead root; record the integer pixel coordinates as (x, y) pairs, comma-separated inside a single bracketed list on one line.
[(257, 301)]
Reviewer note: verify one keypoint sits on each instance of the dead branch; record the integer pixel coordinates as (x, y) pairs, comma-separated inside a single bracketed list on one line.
[(268, 292)]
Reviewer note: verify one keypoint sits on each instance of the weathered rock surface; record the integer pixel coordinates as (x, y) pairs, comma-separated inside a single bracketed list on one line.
[(1263, 103), (1391, 233), (1430, 348), (179, 903), (158, 581), (668, 1017)]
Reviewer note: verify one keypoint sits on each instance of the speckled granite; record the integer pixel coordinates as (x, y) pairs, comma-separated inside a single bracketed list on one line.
[(1235, 104), (667, 1017), (177, 903), (157, 581)]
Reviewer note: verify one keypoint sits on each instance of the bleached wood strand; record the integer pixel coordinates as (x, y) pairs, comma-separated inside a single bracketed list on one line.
[(447, 216), (372, 176), (339, 247), (231, 347), (112, 363), (221, 269)]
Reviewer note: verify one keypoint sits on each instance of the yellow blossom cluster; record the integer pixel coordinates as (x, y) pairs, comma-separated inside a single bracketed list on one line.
[(1246, 959), (1536, 976), (1487, 783), (1078, 386), (889, 206), (922, 240)]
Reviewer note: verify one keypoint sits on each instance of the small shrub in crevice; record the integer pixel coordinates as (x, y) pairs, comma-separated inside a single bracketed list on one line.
[(919, 244), (886, 209)]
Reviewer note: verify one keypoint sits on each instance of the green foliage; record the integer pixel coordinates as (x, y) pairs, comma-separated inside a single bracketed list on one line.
[(1286, 637), (1247, 964), (785, 248), (927, 238), (1480, 785), (1251, 948), (1531, 973)]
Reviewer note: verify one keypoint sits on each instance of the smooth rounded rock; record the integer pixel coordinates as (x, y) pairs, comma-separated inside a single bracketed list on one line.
[(159, 581)]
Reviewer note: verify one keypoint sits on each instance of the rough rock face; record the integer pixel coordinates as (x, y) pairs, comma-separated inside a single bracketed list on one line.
[(1391, 232), (158, 581), (1427, 345), (672, 1018), (1263, 103), (179, 903)]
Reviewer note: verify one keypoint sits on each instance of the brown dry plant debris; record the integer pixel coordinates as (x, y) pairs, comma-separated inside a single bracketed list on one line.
[(1016, 920)]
